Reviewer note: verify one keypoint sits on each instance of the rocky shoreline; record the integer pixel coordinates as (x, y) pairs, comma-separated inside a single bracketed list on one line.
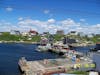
[(27, 42)]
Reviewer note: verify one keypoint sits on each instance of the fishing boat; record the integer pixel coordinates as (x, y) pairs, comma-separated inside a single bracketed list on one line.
[(97, 48), (0, 41), (43, 48), (59, 48)]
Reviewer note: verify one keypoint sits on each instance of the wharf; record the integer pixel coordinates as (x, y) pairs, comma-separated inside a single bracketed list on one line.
[(50, 66), (81, 45)]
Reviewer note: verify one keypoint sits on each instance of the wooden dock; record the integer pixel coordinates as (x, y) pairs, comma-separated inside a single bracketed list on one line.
[(48, 66)]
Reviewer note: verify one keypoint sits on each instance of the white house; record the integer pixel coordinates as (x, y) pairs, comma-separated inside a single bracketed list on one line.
[(0, 33), (73, 33), (90, 35), (81, 34), (24, 33), (14, 32), (60, 32)]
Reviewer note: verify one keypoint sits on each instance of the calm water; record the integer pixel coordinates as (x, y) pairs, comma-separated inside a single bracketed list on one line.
[(11, 53)]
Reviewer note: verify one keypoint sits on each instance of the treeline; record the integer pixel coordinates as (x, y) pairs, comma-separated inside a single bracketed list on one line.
[(6, 36)]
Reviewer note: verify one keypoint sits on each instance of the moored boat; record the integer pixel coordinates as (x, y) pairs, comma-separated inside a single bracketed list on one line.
[(97, 48)]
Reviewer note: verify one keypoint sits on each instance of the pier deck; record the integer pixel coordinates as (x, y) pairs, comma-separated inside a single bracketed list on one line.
[(49, 66)]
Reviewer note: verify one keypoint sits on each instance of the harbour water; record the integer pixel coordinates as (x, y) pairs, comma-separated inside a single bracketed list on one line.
[(11, 53)]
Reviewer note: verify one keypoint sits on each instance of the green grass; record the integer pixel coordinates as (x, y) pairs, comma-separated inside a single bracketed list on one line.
[(36, 38), (58, 37), (96, 39), (79, 72), (7, 37)]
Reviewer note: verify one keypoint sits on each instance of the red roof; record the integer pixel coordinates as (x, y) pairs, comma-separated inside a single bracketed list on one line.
[(32, 31)]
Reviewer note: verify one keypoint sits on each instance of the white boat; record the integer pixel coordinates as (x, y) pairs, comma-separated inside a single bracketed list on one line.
[(0, 41), (98, 51), (44, 48)]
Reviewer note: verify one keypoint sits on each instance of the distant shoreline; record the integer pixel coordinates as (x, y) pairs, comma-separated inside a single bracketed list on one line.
[(38, 43), (26, 42)]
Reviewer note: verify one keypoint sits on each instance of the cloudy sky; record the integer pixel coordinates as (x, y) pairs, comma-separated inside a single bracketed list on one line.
[(50, 15)]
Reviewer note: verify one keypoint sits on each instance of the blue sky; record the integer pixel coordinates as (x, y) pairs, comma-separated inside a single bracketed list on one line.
[(50, 15)]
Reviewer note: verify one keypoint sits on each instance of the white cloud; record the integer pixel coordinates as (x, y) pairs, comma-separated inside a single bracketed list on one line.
[(50, 25), (51, 21), (9, 9), (82, 20), (46, 11), (98, 25), (20, 18), (68, 22)]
